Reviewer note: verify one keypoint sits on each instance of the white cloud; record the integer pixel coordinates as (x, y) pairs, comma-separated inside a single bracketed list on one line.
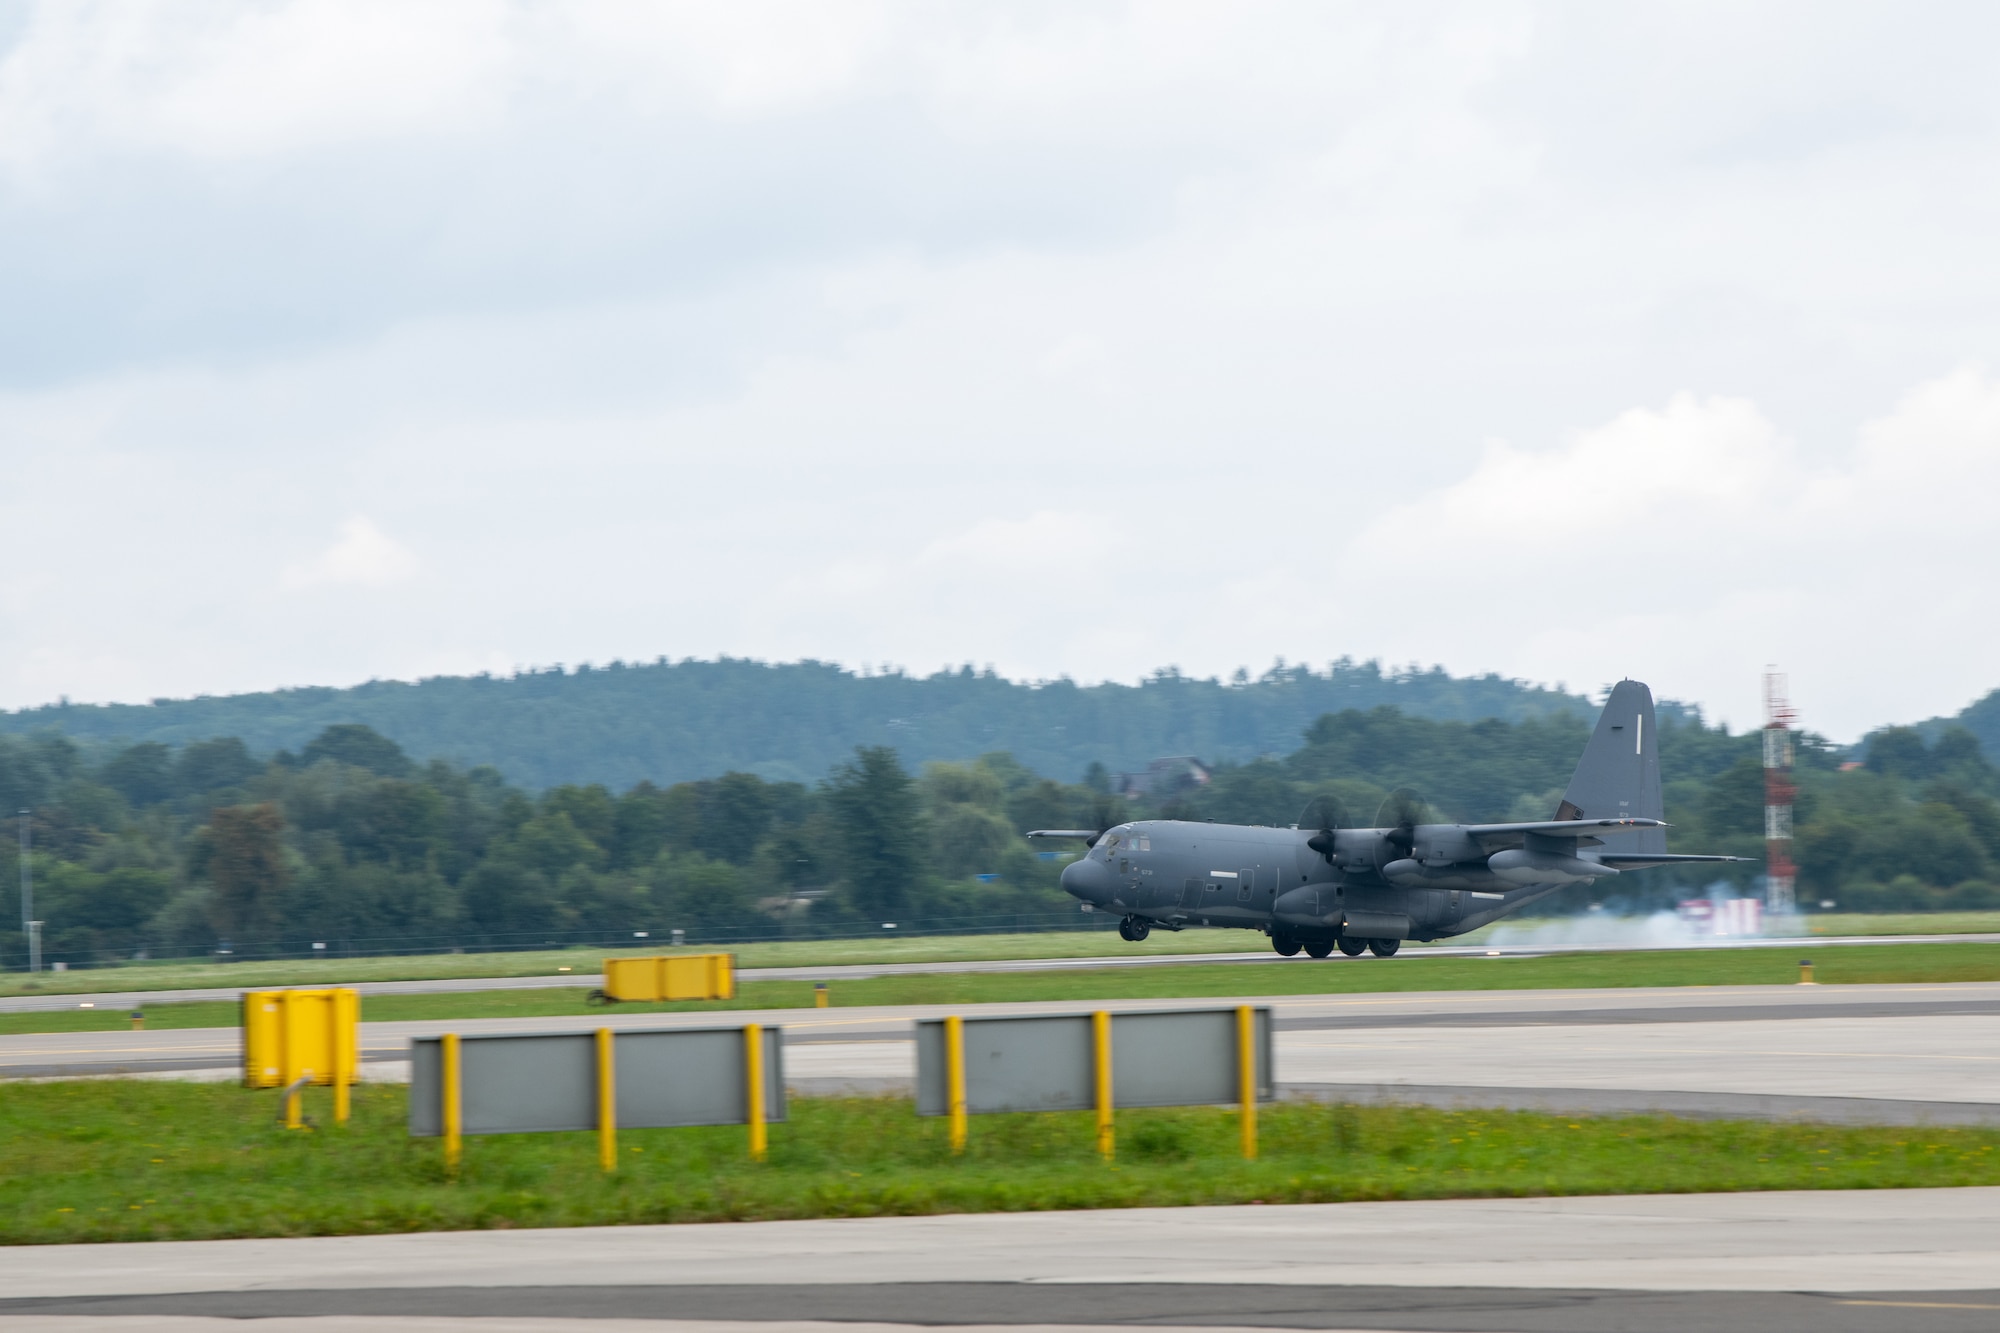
[(1559, 341), (227, 81), (364, 556), (1691, 543)]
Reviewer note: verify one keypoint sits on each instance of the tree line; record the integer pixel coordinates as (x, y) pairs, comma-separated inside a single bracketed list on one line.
[(350, 843), (667, 722)]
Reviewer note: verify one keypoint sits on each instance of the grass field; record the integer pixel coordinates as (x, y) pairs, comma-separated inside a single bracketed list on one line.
[(1870, 963), (171, 975), (141, 1160)]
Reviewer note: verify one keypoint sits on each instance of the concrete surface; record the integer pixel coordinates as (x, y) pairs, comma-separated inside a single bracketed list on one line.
[(1828, 1262), (1834, 1240), (1895, 1054)]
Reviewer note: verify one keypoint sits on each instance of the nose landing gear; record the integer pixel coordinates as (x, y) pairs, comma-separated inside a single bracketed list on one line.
[(1134, 928)]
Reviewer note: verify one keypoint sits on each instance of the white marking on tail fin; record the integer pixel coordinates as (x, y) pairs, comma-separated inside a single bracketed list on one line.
[(1639, 735)]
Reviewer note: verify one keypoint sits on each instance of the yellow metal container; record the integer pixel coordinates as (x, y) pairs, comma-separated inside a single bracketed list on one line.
[(697, 976), (294, 1034)]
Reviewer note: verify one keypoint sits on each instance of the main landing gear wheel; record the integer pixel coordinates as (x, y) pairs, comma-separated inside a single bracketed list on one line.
[(1134, 929), (1320, 948), (1384, 948), (1351, 947), (1285, 945)]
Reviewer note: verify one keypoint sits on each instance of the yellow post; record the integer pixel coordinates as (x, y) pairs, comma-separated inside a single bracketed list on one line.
[(607, 1103), (346, 1037), (454, 1107), (954, 1079), (294, 1112), (1100, 1032), (138, 1020), (1805, 972), (1246, 1076), (753, 1081), (820, 997)]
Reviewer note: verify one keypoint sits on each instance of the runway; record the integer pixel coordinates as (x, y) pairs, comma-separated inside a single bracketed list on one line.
[(1829, 1262), (129, 999), (1870, 1054)]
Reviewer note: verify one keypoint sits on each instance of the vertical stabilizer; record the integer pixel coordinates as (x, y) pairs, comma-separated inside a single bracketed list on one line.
[(1619, 774)]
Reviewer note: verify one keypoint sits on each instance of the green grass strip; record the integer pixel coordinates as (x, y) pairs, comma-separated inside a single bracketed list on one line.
[(116, 1160), (173, 974)]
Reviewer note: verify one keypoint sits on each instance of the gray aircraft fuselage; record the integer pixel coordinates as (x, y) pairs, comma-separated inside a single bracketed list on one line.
[(1311, 888), (1175, 874)]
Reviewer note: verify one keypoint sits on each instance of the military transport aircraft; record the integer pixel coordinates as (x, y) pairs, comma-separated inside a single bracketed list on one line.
[(1325, 885)]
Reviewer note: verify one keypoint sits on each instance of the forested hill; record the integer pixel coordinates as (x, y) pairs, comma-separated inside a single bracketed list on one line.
[(669, 722), (1981, 718)]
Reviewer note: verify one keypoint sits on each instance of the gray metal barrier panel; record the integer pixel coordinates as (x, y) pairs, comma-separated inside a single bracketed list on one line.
[(1178, 1057), (529, 1083)]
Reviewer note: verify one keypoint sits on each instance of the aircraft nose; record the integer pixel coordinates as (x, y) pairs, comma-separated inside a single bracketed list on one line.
[(1086, 879)]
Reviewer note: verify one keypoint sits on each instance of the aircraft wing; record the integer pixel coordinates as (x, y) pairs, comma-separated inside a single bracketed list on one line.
[(1641, 860), (1565, 827), (1087, 834)]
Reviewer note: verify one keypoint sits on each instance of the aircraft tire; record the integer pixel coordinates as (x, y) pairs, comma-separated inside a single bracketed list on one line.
[(1384, 948), (1286, 946), (1353, 948), (1134, 929), (1319, 948)]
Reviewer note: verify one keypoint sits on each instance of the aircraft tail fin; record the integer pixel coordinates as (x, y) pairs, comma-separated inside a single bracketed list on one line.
[(1619, 774)]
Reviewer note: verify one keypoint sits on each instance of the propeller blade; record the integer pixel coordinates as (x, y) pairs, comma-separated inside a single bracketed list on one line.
[(1401, 811), (1324, 814), (1105, 816)]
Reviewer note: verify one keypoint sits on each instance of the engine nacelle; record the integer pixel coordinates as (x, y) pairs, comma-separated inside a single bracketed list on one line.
[(1521, 867), (1410, 873)]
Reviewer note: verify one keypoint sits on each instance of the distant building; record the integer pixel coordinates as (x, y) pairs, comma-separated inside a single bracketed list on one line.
[(1163, 778)]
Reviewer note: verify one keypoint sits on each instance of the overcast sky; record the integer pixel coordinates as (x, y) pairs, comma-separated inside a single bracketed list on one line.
[(342, 340)]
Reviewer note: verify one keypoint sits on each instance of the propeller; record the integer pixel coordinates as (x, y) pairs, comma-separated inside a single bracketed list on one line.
[(1104, 816), (1401, 811), (1106, 813), (1323, 813)]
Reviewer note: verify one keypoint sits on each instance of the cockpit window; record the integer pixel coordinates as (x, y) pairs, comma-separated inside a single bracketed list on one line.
[(1110, 840)]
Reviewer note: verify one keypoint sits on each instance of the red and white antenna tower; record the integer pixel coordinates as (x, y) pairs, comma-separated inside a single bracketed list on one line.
[(1780, 875)]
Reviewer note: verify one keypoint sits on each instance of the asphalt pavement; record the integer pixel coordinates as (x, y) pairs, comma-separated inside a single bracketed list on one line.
[(1826, 1261), (1872, 1054)]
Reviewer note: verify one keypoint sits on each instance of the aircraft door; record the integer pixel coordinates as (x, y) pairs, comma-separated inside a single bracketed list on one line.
[(1246, 885)]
